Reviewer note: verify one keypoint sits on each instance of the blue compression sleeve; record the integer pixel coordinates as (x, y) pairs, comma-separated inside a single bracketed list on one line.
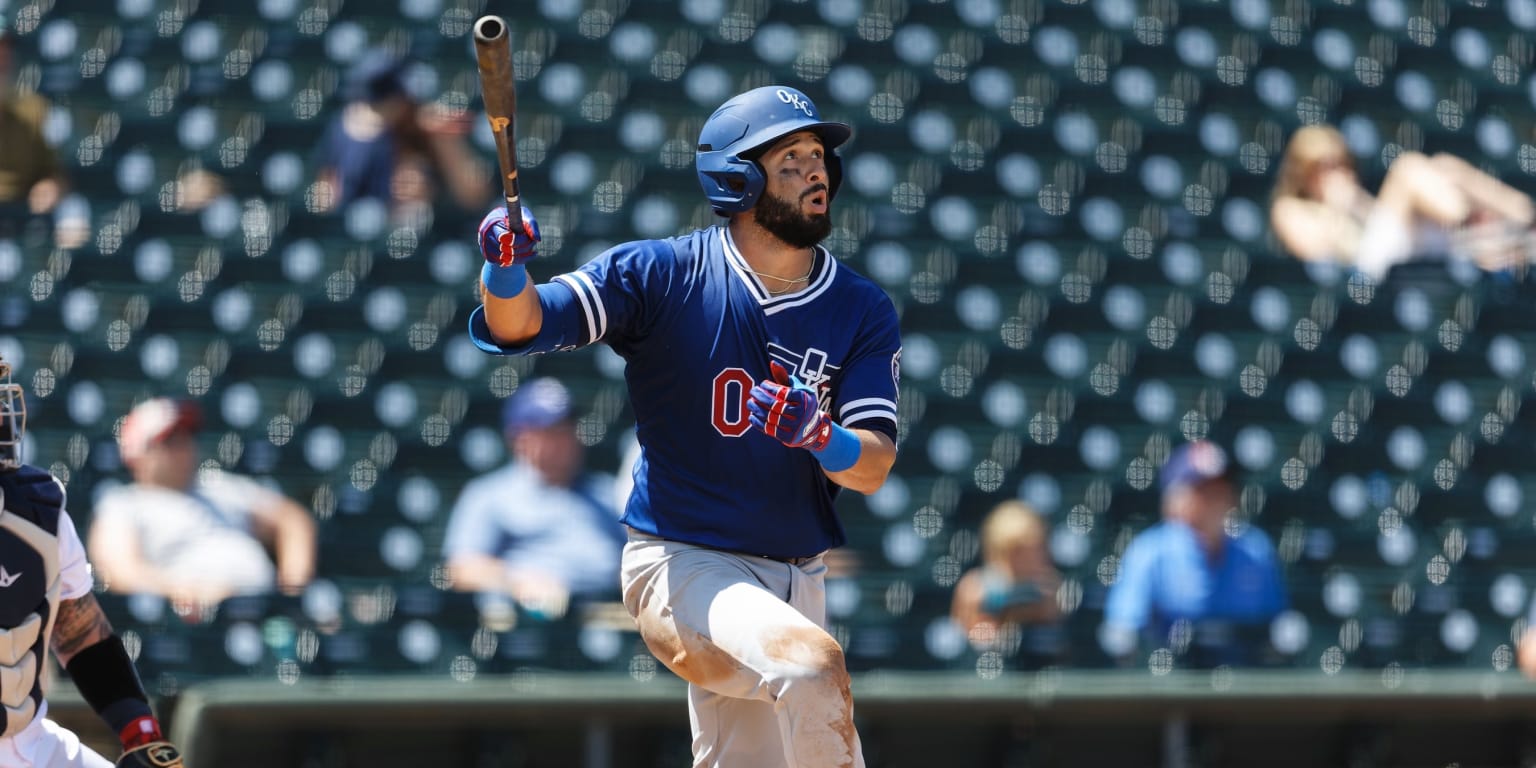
[(504, 282), (842, 450)]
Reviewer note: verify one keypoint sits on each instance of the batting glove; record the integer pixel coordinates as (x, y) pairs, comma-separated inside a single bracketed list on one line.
[(503, 247), (787, 409)]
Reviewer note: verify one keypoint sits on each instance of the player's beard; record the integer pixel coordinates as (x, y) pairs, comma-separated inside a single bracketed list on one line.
[(783, 219)]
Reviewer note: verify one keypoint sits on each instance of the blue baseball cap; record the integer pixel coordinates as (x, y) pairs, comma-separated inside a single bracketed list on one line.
[(537, 404), (1193, 464)]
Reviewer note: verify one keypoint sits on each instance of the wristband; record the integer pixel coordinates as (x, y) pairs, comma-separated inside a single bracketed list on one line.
[(841, 451), (504, 282), (142, 731)]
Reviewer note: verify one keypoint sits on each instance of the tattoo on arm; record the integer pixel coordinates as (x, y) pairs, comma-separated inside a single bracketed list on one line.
[(80, 624)]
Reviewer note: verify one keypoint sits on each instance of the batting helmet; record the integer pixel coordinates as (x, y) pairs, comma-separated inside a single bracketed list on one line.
[(734, 136)]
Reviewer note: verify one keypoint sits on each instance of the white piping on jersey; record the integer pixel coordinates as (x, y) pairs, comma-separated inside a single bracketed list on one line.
[(871, 414), (866, 403), (815, 289), (867, 408), (591, 304), (770, 303), (597, 301)]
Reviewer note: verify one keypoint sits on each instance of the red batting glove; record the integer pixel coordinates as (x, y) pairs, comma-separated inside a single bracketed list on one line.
[(503, 247), (788, 410)]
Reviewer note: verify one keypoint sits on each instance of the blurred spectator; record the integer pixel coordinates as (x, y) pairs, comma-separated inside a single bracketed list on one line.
[(384, 145), (196, 535), (540, 529), (1014, 587), (1427, 207), (1196, 583), (1526, 653), (30, 179), (1016, 581)]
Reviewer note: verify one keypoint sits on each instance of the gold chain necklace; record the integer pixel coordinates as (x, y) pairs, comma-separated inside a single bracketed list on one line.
[(789, 282)]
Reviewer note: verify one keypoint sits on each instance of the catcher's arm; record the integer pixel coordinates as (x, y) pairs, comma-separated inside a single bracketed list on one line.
[(99, 665)]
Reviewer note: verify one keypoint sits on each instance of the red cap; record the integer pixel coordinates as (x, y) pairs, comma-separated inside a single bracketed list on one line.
[(154, 420)]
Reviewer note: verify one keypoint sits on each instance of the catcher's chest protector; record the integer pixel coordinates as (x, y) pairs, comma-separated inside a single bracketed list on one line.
[(29, 588)]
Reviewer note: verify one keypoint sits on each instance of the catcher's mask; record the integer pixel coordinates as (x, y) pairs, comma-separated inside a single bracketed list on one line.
[(13, 419)]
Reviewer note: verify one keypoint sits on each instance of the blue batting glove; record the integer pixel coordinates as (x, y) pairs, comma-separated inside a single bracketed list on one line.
[(787, 409), (503, 247)]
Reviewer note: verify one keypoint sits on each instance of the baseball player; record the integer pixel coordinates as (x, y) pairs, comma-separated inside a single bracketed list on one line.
[(45, 599), (763, 376)]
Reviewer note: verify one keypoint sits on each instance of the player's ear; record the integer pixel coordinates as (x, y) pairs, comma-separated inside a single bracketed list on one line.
[(779, 373)]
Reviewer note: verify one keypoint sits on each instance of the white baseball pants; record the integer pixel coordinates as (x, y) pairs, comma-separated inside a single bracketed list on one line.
[(767, 685)]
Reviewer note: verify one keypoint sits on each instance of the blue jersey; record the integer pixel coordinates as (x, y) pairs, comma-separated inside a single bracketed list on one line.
[(698, 329)]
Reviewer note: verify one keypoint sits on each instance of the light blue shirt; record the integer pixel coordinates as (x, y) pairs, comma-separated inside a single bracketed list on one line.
[(572, 534), (1165, 576)]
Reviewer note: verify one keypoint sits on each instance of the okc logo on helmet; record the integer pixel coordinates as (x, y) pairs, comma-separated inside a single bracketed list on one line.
[(799, 102)]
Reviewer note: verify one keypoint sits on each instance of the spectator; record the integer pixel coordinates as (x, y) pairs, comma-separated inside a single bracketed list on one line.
[(384, 145), (1014, 589), (1526, 653), (539, 530), (1016, 583), (30, 180), (196, 535), (1195, 583), (1426, 207)]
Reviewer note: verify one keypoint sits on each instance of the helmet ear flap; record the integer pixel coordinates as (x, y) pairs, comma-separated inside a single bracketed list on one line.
[(740, 183)]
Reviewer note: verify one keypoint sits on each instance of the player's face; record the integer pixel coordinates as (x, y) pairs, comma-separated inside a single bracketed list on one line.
[(797, 202)]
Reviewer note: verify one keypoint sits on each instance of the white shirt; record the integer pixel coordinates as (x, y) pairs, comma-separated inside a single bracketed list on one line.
[(202, 534)]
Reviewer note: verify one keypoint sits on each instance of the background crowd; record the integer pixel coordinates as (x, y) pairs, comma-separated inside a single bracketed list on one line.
[(1216, 350)]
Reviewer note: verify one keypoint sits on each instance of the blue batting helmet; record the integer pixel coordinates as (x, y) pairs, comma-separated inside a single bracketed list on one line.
[(741, 128)]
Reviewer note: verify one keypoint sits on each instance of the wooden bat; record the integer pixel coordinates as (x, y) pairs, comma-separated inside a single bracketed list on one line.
[(493, 55)]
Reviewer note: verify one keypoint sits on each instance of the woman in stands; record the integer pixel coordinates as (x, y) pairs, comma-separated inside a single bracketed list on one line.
[(1426, 207), (1013, 589)]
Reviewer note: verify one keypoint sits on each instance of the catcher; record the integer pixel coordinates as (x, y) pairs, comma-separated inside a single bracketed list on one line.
[(46, 600)]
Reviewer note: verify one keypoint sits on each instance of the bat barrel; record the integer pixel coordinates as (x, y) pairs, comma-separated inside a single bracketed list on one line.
[(493, 54), (489, 29)]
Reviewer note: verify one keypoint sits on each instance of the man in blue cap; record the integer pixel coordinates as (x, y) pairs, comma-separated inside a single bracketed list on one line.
[(1197, 583), (540, 529)]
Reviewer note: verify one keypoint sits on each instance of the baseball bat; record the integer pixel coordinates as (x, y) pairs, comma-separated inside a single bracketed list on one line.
[(493, 56)]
